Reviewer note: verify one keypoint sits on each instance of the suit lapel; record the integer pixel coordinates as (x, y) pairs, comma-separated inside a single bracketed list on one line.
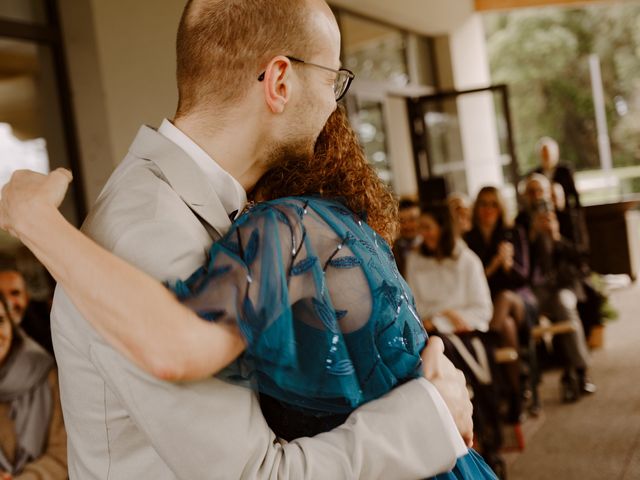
[(184, 176)]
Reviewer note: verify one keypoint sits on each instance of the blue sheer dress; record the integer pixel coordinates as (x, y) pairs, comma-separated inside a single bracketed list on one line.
[(329, 322)]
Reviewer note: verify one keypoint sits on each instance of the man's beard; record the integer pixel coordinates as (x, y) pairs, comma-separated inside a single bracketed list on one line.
[(334, 166), (299, 150)]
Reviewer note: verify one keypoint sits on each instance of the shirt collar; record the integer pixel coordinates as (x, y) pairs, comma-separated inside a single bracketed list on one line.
[(232, 195)]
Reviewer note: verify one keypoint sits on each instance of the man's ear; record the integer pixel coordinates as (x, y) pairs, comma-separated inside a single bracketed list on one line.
[(277, 83)]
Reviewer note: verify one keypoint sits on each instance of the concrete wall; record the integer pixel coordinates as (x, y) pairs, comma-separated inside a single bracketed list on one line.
[(121, 59), (464, 65)]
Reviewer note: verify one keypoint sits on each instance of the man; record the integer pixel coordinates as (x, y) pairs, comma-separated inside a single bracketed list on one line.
[(243, 105), (565, 194), (31, 316), (409, 237), (556, 282)]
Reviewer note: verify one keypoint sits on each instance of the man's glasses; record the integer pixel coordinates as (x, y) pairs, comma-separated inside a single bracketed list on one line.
[(341, 83)]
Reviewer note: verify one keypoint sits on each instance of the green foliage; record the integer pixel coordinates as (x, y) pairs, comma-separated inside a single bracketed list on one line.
[(542, 54)]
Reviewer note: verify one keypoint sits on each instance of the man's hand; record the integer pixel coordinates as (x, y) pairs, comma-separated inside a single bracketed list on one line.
[(451, 384), (27, 193)]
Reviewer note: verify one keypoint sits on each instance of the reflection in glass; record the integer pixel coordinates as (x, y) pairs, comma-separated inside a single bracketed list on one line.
[(18, 154), (374, 52), (371, 133), (25, 11), (31, 126)]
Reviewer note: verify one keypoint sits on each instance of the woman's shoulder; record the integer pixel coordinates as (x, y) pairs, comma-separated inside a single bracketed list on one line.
[(465, 255), (294, 204)]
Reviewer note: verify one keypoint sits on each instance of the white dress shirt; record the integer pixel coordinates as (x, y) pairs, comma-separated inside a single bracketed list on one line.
[(231, 193)]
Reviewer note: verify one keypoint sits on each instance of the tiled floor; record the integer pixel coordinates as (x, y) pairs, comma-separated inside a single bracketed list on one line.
[(598, 437)]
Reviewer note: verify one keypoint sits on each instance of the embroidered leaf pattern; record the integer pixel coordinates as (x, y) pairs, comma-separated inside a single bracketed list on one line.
[(340, 210), (211, 315), (303, 266), (388, 292), (370, 248), (348, 239), (233, 247), (345, 262), (253, 322), (181, 290), (219, 271), (326, 315), (282, 217), (340, 314), (251, 250), (342, 367)]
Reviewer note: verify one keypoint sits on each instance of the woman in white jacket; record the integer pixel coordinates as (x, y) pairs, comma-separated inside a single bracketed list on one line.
[(447, 278), (453, 300)]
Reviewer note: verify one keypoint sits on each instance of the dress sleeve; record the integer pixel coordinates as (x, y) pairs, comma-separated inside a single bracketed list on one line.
[(245, 279)]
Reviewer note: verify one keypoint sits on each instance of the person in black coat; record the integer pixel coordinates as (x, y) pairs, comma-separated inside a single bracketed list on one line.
[(568, 206), (556, 280), (504, 253)]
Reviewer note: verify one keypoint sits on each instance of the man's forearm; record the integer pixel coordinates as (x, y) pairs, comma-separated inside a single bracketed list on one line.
[(129, 308)]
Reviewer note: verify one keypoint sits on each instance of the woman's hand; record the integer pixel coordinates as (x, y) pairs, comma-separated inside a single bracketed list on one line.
[(506, 252), (459, 324), (427, 322), (28, 195)]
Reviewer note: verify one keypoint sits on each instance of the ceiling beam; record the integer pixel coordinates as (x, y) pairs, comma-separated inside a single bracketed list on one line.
[(484, 5)]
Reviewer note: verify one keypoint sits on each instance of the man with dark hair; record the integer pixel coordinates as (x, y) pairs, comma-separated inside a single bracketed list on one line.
[(408, 236), (257, 80)]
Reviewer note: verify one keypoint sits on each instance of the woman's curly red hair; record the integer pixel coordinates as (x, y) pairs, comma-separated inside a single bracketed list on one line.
[(337, 169)]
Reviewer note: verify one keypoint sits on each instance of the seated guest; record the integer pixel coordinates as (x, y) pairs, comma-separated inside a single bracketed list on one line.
[(550, 167), (504, 253), (33, 442), (32, 316), (565, 193), (453, 299), (408, 237), (447, 278), (556, 281), (460, 208)]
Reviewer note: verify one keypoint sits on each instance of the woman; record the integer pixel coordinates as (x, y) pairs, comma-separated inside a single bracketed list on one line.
[(504, 254), (459, 206), (301, 284), (452, 295), (447, 278), (33, 443)]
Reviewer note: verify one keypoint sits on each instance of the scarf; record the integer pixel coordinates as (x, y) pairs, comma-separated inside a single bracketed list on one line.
[(23, 384)]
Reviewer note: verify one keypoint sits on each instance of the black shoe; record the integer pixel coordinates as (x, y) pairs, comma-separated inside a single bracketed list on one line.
[(570, 388), (514, 411)]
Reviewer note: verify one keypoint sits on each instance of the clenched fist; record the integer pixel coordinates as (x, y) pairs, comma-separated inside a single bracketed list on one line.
[(29, 192)]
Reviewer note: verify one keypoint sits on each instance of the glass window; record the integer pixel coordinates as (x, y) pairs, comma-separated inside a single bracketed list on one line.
[(370, 127), (31, 125), (374, 52)]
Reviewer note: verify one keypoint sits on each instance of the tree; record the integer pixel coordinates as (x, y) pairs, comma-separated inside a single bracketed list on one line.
[(542, 54)]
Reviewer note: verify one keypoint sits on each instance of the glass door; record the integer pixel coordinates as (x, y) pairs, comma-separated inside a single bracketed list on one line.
[(465, 138)]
